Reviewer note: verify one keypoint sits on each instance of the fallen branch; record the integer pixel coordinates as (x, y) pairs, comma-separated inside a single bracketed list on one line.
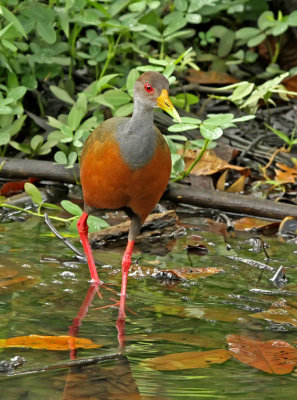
[(73, 363), (16, 168), (229, 202), (155, 226)]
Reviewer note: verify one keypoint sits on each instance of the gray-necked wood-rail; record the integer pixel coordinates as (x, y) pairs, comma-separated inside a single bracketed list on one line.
[(126, 165)]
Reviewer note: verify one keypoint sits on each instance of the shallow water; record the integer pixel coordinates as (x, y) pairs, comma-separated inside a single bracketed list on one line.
[(200, 312)]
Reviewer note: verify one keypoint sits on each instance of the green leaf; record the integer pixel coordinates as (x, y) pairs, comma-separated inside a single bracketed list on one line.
[(116, 97), (72, 157), (96, 224), (67, 134), (168, 71), (182, 127), (181, 5), (279, 28), (5, 110), (138, 6), (104, 80), (17, 93), (60, 157), (210, 134), (247, 33), (71, 208), (280, 134), (242, 91), (226, 43), (36, 141), (33, 192), (131, 78), (266, 20), (61, 94), (9, 16), (124, 110), (194, 18), (20, 146), (243, 118), (55, 123), (181, 138), (144, 68), (9, 45), (177, 23), (292, 20), (255, 41), (4, 138), (190, 120), (75, 116), (46, 32)]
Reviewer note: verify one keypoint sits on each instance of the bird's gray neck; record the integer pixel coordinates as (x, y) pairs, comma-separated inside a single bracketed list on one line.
[(137, 138)]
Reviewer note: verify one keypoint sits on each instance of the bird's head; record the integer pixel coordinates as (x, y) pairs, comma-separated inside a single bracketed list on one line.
[(151, 89)]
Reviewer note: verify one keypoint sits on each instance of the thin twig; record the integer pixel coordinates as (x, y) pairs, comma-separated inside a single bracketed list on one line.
[(72, 363), (79, 255)]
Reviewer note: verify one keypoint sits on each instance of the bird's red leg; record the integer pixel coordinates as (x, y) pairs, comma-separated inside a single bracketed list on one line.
[(126, 262), (82, 227)]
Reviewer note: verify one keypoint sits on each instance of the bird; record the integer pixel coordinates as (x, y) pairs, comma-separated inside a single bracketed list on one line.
[(126, 164)]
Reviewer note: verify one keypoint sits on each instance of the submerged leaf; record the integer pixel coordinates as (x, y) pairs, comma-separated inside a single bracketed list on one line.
[(187, 360), (48, 342)]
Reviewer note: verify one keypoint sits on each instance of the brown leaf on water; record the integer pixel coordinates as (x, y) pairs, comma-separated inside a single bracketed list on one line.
[(274, 356), (280, 312), (18, 283), (179, 337), (209, 164), (6, 273), (248, 223), (188, 360), (48, 342), (210, 77)]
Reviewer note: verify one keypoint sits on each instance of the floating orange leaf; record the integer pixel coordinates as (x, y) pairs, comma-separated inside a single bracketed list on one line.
[(187, 360), (209, 164), (48, 342), (273, 356), (248, 223)]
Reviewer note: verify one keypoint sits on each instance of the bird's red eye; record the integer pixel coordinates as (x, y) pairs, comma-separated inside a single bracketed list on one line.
[(148, 87)]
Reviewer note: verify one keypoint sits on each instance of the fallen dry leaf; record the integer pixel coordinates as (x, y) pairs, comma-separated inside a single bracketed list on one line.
[(209, 164), (10, 188), (237, 186), (274, 356), (285, 174), (188, 360), (210, 77), (48, 342)]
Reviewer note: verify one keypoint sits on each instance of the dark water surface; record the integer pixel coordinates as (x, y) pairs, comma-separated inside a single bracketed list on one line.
[(201, 312)]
